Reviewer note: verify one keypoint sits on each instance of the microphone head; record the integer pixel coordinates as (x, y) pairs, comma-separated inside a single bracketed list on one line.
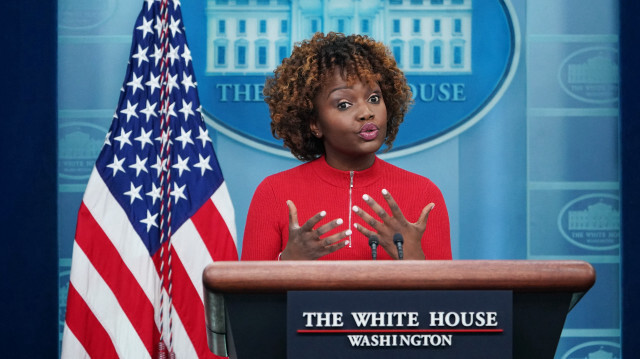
[(397, 238), (373, 240)]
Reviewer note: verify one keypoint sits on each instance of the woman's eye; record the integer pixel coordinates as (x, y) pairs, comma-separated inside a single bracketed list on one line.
[(374, 98), (344, 105)]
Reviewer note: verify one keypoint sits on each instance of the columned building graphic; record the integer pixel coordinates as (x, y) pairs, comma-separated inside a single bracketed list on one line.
[(253, 36), (597, 217)]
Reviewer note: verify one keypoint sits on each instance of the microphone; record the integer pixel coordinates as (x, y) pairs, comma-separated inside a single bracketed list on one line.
[(398, 240), (373, 243)]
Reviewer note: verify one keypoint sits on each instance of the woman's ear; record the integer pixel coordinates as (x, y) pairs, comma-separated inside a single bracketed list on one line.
[(315, 129)]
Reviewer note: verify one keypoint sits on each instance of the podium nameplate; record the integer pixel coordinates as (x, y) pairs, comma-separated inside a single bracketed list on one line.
[(399, 324)]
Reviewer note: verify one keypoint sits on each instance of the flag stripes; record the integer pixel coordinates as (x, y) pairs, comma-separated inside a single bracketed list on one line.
[(80, 319), (106, 309), (106, 261)]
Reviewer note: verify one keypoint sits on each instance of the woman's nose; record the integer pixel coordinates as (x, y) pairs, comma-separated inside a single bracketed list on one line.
[(366, 113)]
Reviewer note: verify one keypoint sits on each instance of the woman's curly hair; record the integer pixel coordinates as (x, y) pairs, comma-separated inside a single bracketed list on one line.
[(292, 89)]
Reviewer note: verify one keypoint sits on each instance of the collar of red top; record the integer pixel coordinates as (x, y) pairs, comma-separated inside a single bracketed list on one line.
[(342, 179)]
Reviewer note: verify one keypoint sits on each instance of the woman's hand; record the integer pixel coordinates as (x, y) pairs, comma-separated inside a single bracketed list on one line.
[(394, 223), (305, 242)]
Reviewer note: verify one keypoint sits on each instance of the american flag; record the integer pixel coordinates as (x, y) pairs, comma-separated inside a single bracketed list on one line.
[(155, 212)]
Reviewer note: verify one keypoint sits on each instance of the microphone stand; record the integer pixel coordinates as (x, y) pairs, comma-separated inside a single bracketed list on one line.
[(373, 243), (398, 240)]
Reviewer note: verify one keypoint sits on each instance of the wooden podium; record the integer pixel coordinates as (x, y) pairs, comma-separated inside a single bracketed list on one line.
[(246, 302)]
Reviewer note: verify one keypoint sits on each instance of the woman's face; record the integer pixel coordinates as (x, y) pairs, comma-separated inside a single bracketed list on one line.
[(351, 122)]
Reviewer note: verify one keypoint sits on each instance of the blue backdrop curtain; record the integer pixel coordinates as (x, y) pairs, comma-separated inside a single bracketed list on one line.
[(29, 258)]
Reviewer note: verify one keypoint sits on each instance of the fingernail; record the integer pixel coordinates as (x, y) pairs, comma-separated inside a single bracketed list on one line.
[(348, 232), (323, 213), (346, 243), (355, 208), (385, 192), (355, 225), (339, 221), (365, 197)]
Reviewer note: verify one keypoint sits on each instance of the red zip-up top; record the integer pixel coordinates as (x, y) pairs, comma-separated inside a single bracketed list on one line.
[(315, 186)]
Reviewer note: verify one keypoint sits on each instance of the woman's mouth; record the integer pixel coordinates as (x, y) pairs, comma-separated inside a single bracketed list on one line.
[(368, 132)]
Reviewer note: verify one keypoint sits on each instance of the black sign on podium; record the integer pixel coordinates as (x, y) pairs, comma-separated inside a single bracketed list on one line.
[(399, 324)]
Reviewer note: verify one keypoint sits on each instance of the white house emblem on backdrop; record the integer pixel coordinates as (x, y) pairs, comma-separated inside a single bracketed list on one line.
[(591, 75), (594, 350), (592, 222), (458, 55)]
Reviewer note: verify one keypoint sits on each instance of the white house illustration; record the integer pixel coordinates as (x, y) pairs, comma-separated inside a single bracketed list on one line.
[(599, 216), (253, 36), (596, 70)]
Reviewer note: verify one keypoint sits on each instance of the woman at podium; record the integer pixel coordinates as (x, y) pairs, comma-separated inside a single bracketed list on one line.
[(335, 102)]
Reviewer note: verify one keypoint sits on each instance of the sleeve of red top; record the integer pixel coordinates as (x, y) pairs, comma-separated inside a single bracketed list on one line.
[(436, 241), (262, 237)]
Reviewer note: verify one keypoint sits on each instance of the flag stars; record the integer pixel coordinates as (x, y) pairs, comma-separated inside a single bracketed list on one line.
[(176, 161), (149, 110), (136, 83), (173, 53), (133, 193), (203, 164), (182, 165), (158, 26), (172, 83), (157, 54), (153, 83), (146, 26), (150, 221), (140, 165), (144, 138), (123, 138), (186, 55), (178, 192), (130, 110), (160, 165), (154, 193), (204, 136), (107, 140), (164, 137), (141, 56), (171, 110), (186, 111), (187, 82), (174, 26), (116, 165), (184, 138)]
